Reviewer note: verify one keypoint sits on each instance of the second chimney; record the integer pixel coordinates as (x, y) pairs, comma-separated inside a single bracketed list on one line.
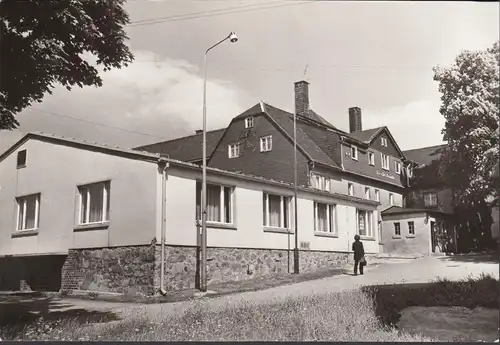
[(302, 98), (355, 123)]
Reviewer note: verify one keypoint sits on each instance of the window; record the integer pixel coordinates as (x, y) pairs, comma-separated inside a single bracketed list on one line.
[(219, 203), (94, 203), (391, 199), (325, 218), (383, 141), (430, 199), (397, 229), (354, 152), (249, 122), (266, 143), (276, 211), (371, 158), (28, 212), (367, 193), (411, 228), (234, 150), (21, 159), (377, 195), (365, 223), (397, 167), (320, 182), (385, 161), (350, 189)]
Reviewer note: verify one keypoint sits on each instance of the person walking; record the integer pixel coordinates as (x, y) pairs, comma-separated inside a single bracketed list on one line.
[(359, 255)]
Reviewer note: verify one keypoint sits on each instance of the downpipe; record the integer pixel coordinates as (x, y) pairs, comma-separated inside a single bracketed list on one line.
[(163, 292)]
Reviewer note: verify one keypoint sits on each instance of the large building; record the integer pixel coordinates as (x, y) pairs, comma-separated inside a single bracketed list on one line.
[(81, 216)]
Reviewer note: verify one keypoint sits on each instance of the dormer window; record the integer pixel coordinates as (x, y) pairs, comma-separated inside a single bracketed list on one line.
[(21, 158), (249, 122), (371, 158), (354, 152), (397, 167), (383, 141)]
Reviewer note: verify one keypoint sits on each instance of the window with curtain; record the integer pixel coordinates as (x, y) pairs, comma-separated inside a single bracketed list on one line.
[(219, 203), (28, 212), (94, 203), (325, 216), (365, 223), (276, 211)]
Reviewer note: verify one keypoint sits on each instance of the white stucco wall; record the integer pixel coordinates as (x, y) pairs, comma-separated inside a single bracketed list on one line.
[(55, 171), (249, 230)]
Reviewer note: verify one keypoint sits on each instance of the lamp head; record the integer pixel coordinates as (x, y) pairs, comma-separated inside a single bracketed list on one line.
[(233, 38)]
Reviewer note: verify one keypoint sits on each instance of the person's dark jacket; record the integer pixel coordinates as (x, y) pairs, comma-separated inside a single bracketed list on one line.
[(358, 249)]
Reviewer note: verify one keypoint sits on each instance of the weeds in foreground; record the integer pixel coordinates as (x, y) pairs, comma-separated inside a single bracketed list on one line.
[(345, 316)]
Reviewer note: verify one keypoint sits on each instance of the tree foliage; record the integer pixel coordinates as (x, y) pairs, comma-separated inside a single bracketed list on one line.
[(43, 43), (470, 106)]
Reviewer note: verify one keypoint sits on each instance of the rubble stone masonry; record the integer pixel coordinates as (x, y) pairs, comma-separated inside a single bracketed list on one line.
[(136, 270)]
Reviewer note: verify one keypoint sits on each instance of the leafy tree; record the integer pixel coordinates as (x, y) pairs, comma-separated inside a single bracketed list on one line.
[(470, 106), (43, 42)]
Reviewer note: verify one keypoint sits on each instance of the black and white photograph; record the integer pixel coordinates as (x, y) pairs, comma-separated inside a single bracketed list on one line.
[(249, 170)]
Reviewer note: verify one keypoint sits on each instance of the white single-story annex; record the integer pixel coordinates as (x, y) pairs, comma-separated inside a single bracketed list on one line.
[(82, 216)]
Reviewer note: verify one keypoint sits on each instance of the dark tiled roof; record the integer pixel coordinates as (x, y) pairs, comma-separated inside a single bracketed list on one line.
[(365, 136), (425, 155), (395, 210), (186, 149), (285, 121)]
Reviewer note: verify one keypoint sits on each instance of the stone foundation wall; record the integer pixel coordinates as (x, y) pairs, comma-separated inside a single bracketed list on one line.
[(136, 270), (236, 264), (127, 270)]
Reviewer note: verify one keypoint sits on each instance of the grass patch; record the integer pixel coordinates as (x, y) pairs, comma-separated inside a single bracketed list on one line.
[(390, 300), (345, 316)]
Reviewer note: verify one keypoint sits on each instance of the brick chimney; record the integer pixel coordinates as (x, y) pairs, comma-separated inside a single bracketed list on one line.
[(355, 123), (302, 98)]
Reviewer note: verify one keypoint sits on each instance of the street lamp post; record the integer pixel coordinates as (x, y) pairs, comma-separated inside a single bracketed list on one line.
[(203, 269)]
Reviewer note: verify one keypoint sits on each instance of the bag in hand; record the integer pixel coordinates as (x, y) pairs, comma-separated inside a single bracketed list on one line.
[(363, 261)]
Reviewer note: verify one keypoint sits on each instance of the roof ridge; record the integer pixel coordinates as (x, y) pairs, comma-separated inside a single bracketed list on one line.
[(427, 147), (180, 138)]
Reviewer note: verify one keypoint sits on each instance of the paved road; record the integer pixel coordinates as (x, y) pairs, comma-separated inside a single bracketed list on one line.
[(397, 271)]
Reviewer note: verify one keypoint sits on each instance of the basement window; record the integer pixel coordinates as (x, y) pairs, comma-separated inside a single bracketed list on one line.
[(21, 158)]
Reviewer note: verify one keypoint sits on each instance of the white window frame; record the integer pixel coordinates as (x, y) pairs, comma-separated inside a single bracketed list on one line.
[(354, 152), (369, 225), (222, 203), (321, 182), (397, 167), (391, 199), (331, 215), (350, 189), (266, 143), (234, 150), (428, 201), (367, 193), (285, 202), (105, 215), (385, 161), (411, 228), (249, 121), (397, 227), (371, 158), (377, 195), (383, 141), (22, 204)]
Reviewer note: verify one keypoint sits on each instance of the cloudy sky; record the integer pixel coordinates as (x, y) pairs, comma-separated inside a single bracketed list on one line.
[(374, 55)]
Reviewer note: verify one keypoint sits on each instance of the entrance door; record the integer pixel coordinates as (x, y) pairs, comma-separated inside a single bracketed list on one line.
[(433, 236)]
